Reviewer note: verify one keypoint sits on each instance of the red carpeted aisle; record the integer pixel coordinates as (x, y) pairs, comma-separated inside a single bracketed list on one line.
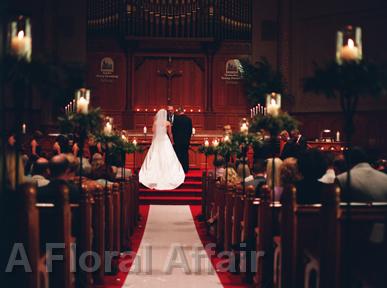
[(189, 193), (227, 279), (125, 262)]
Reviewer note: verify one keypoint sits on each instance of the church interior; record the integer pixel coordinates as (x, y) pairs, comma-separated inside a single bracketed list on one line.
[(189, 143)]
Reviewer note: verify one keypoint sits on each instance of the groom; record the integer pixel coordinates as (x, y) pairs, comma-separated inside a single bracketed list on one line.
[(182, 131)]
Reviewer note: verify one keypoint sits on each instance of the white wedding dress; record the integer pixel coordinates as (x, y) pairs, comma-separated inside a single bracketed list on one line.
[(161, 169)]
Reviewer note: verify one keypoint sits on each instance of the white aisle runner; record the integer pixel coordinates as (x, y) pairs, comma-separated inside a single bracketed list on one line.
[(171, 233)]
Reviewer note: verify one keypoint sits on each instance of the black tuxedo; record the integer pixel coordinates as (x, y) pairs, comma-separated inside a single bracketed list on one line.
[(182, 131), (294, 147)]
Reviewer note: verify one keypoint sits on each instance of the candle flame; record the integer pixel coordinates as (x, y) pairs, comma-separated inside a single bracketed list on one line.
[(20, 35), (273, 102), (351, 44)]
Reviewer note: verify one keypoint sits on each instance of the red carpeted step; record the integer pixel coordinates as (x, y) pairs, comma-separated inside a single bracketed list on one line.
[(168, 200), (171, 193), (189, 193)]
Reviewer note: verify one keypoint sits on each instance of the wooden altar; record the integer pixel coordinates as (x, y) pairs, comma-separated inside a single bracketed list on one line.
[(146, 55)]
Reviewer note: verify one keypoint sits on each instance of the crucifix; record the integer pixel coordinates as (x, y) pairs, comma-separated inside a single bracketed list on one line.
[(169, 73)]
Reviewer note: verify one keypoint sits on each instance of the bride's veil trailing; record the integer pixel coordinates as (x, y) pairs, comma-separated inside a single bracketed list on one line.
[(160, 119)]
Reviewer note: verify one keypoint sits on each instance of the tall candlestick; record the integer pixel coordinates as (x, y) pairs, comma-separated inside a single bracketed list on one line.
[(145, 130), (134, 142), (193, 131), (206, 143)]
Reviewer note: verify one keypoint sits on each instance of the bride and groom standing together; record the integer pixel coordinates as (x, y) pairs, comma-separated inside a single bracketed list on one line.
[(167, 160)]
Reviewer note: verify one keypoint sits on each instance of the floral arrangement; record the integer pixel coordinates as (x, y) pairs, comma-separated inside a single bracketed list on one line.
[(259, 79), (273, 124), (82, 124)]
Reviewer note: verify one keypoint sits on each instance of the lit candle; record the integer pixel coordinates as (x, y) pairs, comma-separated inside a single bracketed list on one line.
[(135, 142), (226, 138), (215, 143), (82, 105), (123, 137), (24, 128), (193, 131), (108, 128), (349, 52), (145, 130), (21, 44), (244, 128), (273, 108), (206, 143)]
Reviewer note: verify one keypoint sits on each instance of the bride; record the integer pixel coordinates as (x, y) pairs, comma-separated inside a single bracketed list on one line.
[(161, 169)]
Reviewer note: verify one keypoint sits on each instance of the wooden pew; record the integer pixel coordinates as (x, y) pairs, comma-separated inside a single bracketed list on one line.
[(55, 228), (300, 240), (98, 213), (125, 220), (27, 230), (228, 209), (366, 247), (249, 223), (220, 196), (237, 217), (116, 218), (210, 201), (267, 234)]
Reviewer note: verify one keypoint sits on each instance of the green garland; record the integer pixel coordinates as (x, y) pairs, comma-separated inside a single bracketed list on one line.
[(351, 79), (82, 124), (261, 79), (274, 124), (117, 144)]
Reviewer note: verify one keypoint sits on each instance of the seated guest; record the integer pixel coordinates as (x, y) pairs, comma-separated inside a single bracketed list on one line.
[(330, 176), (276, 176), (99, 170), (312, 166), (40, 172), (284, 138), (36, 149), (60, 174), (295, 146), (243, 164), (61, 145), (367, 184), (219, 167), (232, 176), (289, 172), (259, 177)]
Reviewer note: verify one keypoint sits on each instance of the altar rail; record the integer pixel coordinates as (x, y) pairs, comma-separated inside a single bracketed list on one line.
[(224, 19)]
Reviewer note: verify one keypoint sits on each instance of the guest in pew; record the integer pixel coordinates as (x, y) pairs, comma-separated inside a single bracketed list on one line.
[(289, 172), (232, 176), (295, 146), (284, 138), (259, 178), (40, 172), (60, 174), (312, 166), (219, 165), (367, 184), (61, 145), (330, 176), (243, 164), (35, 148), (276, 176), (100, 170)]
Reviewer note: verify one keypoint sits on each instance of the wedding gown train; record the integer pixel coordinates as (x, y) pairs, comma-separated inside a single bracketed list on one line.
[(161, 169)]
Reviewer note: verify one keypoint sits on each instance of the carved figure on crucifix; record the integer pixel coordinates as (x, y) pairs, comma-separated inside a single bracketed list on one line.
[(169, 74)]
